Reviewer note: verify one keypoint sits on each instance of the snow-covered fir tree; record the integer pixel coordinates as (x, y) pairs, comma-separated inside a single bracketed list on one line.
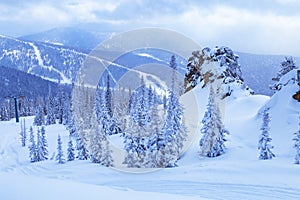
[(155, 155), (42, 144), (71, 126), (135, 146), (32, 146), (212, 142), (60, 154), (67, 104), (131, 154), (38, 146), (103, 110), (96, 144), (264, 139), (121, 99), (82, 151), (23, 133), (107, 155), (70, 151), (50, 118), (297, 145), (108, 96), (39, 118), (140, 106), (173, 131), (59, 101), (83, 107), (173, 66)]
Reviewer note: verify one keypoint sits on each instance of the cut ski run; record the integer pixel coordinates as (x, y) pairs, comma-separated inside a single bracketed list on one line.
[(237, 174)]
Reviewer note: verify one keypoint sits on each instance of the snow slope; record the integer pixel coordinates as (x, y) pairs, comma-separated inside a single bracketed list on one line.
[(238, 174)]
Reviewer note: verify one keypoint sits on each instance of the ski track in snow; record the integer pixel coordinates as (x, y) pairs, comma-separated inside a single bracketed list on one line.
[(214, 190)]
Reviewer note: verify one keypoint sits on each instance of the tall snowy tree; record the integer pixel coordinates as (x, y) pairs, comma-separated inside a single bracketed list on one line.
[(212, 142), (173, 66), (39, 118), (32, 146), (135, 146), (103, 110), (60, 154), (50, 118), (140, 106), (264, 140), (173, 131), (70, 151), (42, 144), (108, 96), (297, 145), (155, 155), (82, 151), (96, 144), (107, 155), (59, 102), (23, 133)]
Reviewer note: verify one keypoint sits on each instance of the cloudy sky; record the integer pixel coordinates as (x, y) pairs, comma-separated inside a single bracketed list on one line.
[(257, 26)]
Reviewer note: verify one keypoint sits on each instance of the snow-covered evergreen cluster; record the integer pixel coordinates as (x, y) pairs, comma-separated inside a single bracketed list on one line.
[(38, 147)]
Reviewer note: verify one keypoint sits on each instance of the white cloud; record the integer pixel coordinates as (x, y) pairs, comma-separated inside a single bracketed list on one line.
[(243, 28)]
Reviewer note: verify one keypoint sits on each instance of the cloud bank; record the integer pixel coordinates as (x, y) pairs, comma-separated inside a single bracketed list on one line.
[(266, 26)]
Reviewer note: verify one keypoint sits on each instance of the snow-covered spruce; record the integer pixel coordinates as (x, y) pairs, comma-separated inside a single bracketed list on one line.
[(96, 144), (103, 108), (107, 155), (60, 154), (39, 118), (50, 106), (297, 145), (32, 146), (264, 139), (173, 131), (42, 152), (70, 151), (23, 133), (213, 139), (82, 151)]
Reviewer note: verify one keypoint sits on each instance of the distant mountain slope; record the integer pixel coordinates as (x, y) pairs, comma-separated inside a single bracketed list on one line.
[(52, 62), (60, 62), (14, 82), (70, 37)]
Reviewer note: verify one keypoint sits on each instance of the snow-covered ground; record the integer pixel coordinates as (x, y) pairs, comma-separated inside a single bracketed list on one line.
[(238, 174)]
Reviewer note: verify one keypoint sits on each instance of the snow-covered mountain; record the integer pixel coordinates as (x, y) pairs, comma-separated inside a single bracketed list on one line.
[(70, 37), (57, 55), (51, 62)]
